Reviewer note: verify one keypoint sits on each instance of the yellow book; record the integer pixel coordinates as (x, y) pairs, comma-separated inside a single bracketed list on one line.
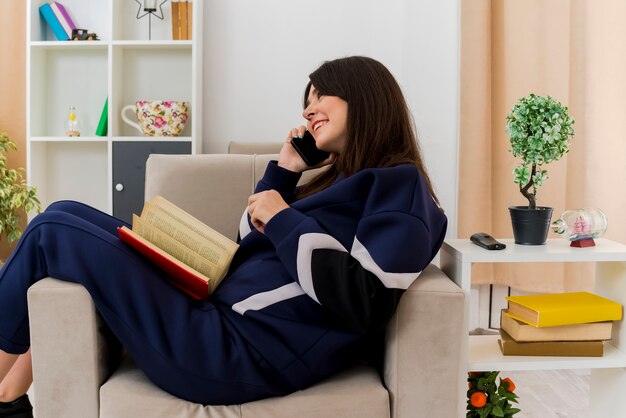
[(547, 310), (521, 332)]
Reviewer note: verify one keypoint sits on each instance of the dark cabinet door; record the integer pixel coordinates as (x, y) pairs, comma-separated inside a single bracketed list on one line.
[(129, 172)]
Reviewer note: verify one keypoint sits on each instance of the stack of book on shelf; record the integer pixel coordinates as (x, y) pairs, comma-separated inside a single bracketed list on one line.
[(558, 324), (182, 18)]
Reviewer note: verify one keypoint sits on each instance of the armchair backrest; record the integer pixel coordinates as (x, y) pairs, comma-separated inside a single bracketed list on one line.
[(212, 187)]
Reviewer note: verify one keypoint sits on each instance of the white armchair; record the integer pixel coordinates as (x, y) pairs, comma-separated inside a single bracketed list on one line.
[(76, 363)]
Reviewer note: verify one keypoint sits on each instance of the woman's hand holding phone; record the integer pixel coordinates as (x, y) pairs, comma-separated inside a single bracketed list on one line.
[(292, 159)]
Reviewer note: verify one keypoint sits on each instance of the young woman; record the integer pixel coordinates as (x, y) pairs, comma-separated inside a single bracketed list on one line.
[(318, 274)]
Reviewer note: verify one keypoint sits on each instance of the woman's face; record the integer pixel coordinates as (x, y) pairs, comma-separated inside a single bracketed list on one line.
[(327, 118)]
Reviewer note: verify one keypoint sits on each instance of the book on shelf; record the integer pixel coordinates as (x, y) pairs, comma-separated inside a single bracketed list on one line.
[(522, 332), (182, 20), (103, 123), (63, 17), (510, 347), (57, 29), (195, 256), (547, 310), (175, 19)]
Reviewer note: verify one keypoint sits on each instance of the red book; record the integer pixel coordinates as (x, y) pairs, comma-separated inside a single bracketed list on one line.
[(195, 256), (182, 276)]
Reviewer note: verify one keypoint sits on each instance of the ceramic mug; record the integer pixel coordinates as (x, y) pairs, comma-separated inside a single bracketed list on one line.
[(158, 117)]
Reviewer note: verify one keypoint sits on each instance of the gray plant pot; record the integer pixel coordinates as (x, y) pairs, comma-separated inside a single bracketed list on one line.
[(530, 226)]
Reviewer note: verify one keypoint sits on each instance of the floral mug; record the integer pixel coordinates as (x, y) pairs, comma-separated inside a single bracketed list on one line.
[(158, 117)]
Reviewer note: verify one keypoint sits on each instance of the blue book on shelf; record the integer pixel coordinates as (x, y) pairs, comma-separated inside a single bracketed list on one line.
[(53, 22)]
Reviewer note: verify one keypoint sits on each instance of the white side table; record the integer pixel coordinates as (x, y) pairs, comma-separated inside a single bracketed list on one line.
[(608, 373)]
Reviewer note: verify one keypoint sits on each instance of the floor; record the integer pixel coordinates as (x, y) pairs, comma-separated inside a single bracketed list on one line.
[(551, 393)]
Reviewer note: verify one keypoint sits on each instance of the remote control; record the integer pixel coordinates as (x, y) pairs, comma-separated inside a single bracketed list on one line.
[(485, 240)]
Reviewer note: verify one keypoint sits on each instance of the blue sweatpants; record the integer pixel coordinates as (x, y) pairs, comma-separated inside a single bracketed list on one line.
[(186, 347)]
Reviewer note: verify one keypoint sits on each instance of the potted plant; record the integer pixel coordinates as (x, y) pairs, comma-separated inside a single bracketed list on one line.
[(485, 399), (540, 129), (15, 194)]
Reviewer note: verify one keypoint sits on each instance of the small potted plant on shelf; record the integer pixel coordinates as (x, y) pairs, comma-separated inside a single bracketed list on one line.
[(485, 399), (15, 194), (540, 129)]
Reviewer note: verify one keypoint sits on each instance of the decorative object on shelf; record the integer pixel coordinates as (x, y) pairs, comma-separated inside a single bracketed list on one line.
[(72, 123), (103, 124), (540, 129), (581, 226), (182, 19), (485, 399), (15, 194), (150, 8), (158, 117), (83, 35)]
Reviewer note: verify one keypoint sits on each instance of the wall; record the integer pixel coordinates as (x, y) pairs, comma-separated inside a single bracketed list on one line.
[(13, 84), (257, 57)]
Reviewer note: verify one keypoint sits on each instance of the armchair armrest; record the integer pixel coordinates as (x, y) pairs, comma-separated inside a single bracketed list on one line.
[(73, 350), (423, 348)]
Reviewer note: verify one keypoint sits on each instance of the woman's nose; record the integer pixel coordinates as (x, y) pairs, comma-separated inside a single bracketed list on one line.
[(308, 113)]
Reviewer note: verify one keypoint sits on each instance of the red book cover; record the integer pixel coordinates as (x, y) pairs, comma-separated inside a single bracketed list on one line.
[(182, 276)]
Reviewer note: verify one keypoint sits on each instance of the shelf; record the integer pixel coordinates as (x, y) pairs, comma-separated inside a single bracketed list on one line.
[(151, 139), (61, 77), (484, 354), (75, 140), (56, 45), (555, 250), (69, 139), (153, 44), (67, 169), (123, 67)]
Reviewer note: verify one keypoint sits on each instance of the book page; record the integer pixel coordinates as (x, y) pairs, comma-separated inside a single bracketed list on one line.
[(216, 249), (174, 248), (194, 224)]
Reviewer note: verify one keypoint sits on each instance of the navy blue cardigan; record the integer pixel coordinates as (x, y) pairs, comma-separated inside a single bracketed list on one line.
[(330, 269)]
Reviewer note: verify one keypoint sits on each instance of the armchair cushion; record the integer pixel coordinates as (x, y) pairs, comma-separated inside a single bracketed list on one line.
[(356, 392)]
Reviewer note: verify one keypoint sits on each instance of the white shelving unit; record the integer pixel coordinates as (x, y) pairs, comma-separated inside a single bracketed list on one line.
[(608, 375), (123, 66)]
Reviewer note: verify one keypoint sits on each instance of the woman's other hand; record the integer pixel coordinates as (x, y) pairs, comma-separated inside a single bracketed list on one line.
[(263, 206)]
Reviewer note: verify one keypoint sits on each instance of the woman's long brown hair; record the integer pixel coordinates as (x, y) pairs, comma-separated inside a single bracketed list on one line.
[(379, 132)]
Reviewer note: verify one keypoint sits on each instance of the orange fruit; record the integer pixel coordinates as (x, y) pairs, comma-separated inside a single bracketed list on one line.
[(511, 387), (478, 399)]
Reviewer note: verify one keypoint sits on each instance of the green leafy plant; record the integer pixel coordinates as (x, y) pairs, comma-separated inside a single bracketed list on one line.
[(540, 129), (15, 194), (485, 399)]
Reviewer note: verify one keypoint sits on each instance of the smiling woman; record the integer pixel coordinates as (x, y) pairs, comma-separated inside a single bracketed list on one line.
[(313, 284), (379, 129), (327, 119)]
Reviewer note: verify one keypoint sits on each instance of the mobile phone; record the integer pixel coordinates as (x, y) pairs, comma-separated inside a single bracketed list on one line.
[(308, 150)]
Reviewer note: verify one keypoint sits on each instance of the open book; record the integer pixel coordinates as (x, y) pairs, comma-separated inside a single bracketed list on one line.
[(195, 256)]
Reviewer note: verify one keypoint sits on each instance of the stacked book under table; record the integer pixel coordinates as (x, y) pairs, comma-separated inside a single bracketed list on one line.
[(559, 324)]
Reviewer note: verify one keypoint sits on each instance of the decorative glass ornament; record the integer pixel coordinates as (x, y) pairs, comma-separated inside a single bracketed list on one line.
[(581, 226)]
